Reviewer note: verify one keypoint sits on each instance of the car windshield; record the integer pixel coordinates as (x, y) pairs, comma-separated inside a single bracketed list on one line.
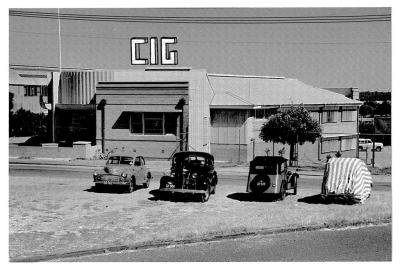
[(189, 161), (119, 160), (266, 168)]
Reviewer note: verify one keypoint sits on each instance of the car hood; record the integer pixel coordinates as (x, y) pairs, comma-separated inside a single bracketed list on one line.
[(115, 169)]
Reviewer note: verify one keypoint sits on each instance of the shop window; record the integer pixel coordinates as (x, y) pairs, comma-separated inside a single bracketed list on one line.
[(348, 116), (153, 123), (330, 145), (137, 123), (348, 144), (329, 117)]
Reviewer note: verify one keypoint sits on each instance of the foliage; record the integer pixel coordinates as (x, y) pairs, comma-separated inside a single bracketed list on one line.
[(371, 108), (375, 96), (291, 127), (26, 123), (294, 126)]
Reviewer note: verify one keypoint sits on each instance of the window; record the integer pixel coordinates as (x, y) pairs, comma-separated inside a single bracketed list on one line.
[(136, 123), (329, 117), (347, 144), (314, 115), (31, 90), (330, 145), (153, 123), (348, 116), (264, 113)]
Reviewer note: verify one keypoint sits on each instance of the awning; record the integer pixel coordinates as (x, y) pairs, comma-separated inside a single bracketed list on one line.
[(29, 78)]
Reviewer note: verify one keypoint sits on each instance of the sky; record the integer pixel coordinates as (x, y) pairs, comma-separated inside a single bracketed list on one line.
[(333, 54)]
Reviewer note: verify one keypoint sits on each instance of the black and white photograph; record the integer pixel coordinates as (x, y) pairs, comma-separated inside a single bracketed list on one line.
[(199, 134)]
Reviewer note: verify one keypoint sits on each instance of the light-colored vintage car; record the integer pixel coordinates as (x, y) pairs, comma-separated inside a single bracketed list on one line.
[(123, 170), (269, 175)]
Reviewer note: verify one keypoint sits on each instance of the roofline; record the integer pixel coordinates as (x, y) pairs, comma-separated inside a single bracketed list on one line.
[(282, 105), (244, 76)]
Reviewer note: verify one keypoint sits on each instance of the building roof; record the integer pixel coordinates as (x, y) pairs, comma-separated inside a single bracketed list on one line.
[(252, 91)]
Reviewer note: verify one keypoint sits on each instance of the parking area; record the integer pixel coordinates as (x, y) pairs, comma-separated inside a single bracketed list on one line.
[(58, 213)]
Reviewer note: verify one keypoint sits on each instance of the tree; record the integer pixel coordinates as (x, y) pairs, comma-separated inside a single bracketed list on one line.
[(384, 109), (294, 126)]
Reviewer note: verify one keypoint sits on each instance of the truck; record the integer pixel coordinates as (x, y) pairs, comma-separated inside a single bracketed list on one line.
[(364, 144)]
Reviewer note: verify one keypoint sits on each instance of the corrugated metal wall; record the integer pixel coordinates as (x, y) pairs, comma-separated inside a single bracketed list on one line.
[(80, 87)]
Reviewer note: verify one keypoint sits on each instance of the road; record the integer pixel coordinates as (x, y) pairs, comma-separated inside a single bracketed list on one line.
[(357, 244)]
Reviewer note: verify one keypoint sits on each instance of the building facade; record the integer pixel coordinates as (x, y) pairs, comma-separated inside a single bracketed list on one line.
[(156, 112)]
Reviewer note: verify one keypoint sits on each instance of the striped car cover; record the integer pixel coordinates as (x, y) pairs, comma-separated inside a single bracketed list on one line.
[(348, 177)]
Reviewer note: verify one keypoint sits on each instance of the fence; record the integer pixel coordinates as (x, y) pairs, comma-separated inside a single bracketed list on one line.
[(309, 154)]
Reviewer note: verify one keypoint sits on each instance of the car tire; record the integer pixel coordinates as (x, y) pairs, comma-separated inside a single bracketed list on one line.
[(295, 186), (131, 185), (206, 195), (282, 194), (379, 149), (148, 178), (214, 188)]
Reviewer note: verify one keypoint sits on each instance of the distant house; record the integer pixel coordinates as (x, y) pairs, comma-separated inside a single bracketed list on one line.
[(351, 92), (30, 89)]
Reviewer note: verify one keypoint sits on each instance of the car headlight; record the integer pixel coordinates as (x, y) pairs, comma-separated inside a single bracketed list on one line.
[(172, 174), (95, 173), (124, 175), (194, 175)]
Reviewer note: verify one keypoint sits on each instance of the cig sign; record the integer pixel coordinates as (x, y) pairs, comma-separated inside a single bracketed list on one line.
[(168, 57)]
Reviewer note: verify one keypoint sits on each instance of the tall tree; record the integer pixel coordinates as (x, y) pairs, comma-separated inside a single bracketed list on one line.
[(294, 126)]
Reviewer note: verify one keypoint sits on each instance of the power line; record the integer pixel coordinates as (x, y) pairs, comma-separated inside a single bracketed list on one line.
[(205, 41), (209, 19)]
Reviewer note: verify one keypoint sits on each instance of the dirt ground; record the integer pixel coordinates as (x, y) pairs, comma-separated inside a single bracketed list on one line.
[(54, 215)]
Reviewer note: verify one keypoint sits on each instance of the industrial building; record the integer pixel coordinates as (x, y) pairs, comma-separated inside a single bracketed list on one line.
[(157, 111)]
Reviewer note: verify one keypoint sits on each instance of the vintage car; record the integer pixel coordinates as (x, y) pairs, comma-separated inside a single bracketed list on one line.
[(269, 175), (191, 173), (123, 170)]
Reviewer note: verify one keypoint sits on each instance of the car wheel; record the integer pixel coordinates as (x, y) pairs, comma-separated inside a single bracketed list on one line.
[(131, 185), (147, 183), (214, 188), (295, 186), (379, 149), (206, 195), (282, 194)]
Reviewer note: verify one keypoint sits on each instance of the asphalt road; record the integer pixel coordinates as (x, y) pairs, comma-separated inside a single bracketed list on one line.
[(349, 244)]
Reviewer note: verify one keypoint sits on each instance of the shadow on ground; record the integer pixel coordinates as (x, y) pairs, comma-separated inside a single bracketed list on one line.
[(157, 195), (317, 199), (254, 198), (111, 190)]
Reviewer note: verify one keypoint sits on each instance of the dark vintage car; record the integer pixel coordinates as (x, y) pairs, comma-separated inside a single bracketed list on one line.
[(269, 174), (123, 170), (191, 173)]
